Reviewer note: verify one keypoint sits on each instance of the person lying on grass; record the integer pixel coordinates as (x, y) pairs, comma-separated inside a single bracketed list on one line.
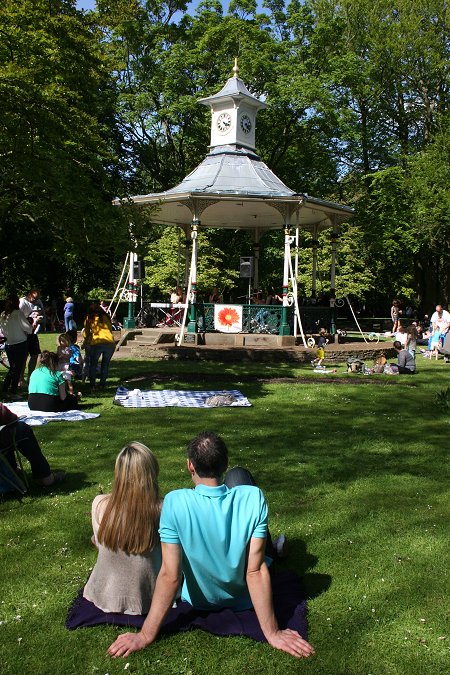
[(194, 526)]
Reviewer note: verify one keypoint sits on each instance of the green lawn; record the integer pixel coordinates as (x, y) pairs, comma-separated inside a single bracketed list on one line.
[(354, 474)]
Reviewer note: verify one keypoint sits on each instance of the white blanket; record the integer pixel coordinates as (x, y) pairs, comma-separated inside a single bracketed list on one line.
[(37, 417), (164, 398)]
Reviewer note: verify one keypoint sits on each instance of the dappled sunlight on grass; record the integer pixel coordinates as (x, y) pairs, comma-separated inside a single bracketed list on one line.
[(353, 474)]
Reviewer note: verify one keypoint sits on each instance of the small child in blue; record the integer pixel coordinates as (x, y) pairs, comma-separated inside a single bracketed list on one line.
[(75, 358)]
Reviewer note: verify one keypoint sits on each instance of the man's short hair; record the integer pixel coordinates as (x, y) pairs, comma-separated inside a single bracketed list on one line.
[(209, 455), (398, 345)]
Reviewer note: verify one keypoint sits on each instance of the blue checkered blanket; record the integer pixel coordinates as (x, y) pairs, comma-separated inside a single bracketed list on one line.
[(135, 398), (38, 417)]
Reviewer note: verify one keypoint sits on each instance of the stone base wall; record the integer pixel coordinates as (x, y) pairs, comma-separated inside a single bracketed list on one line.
[(236, 354)]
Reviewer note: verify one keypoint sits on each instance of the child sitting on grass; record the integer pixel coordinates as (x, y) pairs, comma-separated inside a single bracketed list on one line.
[(69, 357)]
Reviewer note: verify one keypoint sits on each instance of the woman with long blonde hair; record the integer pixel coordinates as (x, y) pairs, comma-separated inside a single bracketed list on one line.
[(125, 525)]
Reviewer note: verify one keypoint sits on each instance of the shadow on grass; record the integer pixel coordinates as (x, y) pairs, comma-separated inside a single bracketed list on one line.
[(74, 480), (315, 583)]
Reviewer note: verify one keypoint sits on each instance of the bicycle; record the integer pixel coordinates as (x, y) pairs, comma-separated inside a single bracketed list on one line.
[(3, 357)]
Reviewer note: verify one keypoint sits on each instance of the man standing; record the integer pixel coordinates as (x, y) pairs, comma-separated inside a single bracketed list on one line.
[(27, 307), (440, 319), (216, 536), (405, 359)]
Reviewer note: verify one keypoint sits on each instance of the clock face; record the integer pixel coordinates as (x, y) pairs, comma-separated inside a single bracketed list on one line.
[(224, 122), (246, 124)]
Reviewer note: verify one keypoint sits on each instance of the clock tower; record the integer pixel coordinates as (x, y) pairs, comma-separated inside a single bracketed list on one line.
[(233, 114)]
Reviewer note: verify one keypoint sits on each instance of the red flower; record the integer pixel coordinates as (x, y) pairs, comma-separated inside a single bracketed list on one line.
[(228, 316)]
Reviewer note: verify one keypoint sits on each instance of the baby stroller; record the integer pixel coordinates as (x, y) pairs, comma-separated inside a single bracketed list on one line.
[(445, 348), (3, 358)]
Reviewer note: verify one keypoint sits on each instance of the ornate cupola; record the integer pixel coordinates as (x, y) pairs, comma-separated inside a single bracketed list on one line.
[(233, 115)]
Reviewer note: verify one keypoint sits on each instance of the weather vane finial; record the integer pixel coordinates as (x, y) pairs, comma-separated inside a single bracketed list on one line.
[(235, 68)]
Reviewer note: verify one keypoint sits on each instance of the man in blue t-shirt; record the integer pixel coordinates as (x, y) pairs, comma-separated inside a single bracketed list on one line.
[(216, 536)]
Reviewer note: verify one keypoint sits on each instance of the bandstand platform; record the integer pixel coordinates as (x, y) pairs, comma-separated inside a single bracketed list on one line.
[(160, 343)]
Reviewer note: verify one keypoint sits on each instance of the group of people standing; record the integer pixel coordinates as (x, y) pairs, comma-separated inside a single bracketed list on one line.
[(430, 333), (49, 384)]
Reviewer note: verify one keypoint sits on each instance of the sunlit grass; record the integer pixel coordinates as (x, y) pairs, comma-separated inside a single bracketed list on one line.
[(354, 474)]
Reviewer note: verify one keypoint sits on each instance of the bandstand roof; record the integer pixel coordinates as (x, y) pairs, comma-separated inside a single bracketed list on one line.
[(233, 188)]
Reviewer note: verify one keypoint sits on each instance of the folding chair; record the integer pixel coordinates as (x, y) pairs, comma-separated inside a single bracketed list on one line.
[(9, 474)]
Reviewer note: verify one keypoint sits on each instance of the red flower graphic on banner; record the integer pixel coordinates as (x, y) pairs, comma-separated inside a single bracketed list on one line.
[(228, 316)]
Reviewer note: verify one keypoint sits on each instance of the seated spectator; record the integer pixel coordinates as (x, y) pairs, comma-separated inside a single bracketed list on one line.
[(47, 390), (29, 447), (405, 360), (125, 525), (216, 536), (400, 335), (70, 360)]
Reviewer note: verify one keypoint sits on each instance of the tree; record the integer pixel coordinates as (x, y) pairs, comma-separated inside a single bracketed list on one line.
[(58, 167)]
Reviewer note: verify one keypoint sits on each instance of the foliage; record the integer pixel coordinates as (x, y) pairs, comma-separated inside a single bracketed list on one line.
[(442, 399), (358, 112), (57, 141), (165, 263)]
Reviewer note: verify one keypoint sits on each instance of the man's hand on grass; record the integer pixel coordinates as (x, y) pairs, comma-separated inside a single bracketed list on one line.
[(291, 642), (127, 643)]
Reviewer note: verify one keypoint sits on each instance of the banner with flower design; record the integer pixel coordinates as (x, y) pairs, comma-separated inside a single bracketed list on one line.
[(228, 318)]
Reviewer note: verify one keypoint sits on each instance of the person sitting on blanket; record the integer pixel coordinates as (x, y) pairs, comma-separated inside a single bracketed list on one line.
[(47, 390), (216, 536), (28, 446), (406, 362), (125, 525)]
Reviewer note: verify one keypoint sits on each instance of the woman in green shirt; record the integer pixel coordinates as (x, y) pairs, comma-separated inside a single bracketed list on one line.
[(47, 390)]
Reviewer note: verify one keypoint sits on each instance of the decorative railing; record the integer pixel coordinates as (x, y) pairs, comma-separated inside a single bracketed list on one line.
[(255, 318)]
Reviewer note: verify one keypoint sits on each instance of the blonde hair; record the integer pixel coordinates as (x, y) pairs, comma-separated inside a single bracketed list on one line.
[(131, 518)]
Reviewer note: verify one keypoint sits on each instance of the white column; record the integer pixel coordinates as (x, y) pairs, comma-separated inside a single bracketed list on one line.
[(256, 259), (315, 244)]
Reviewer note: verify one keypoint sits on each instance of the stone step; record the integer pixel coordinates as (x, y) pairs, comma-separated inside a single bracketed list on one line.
[(124, 349), (144, 340)]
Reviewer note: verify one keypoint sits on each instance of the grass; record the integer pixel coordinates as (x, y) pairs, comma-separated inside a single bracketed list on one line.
[(355, 475)]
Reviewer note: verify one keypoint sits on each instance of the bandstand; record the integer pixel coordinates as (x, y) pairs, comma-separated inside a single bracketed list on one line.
[(232, 188)]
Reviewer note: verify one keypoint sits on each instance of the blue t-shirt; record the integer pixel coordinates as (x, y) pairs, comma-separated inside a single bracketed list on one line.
[(68, 309), (75, 360), (214, 525)]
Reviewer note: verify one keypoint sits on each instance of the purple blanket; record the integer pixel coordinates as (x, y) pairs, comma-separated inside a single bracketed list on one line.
[(288, 600)]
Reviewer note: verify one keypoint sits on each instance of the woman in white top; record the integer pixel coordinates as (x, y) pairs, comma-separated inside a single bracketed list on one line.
[(15, 327), (125, 525)]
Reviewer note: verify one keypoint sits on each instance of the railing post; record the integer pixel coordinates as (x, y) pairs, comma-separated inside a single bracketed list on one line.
[(130, 320), (192, 325)]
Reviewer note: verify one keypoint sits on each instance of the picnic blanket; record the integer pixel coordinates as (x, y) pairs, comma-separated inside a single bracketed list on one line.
[(289, 603), (38, 417), (164, 398)]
